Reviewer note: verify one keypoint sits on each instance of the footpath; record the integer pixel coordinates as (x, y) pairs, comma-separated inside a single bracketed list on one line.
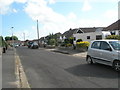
[(68, 51), (8, 69)]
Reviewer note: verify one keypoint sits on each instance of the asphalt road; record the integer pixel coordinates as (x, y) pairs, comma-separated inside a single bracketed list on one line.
[(45, 69)]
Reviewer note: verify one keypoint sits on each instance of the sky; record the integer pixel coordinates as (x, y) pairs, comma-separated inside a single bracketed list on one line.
[(54, 16)]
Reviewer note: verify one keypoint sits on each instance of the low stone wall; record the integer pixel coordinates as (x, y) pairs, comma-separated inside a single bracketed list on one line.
[(71, 48), (82, 49)]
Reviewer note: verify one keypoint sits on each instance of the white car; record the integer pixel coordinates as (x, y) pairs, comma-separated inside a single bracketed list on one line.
[(104, 52)]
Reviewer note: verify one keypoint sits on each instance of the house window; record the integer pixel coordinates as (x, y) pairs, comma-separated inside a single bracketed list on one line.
[(112, 32), (98, 37), (88, 37)]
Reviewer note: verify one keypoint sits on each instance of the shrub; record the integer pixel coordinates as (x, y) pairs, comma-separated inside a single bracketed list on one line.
[(83, 44), (69, 45), (79, 40), (117, 37), (52, 42)]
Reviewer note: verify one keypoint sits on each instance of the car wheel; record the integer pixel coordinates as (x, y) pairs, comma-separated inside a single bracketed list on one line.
[(89, 60), (116, 65)]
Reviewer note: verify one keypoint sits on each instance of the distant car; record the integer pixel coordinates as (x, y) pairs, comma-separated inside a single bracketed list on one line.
[(16, 45), (104, 52), (34, 45)]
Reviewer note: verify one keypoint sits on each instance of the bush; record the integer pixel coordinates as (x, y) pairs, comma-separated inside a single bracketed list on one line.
[(83, 44), (79, 40), (52, 42), (69, 45), (117, 37)]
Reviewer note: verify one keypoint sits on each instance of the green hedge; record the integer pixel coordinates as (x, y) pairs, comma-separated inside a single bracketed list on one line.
[(2, 42), (117, 37)]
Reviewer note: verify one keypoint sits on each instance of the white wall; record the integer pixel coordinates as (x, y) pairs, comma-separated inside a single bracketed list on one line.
[(92, 35)]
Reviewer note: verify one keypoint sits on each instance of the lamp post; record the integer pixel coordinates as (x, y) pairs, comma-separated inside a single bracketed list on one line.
[(12, 37), (38, 32)]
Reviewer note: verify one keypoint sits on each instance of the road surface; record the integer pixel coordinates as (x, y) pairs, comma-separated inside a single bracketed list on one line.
[(45, 69)]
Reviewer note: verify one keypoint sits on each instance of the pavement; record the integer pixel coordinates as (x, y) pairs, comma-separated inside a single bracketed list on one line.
[(68, 51), (8, 69)]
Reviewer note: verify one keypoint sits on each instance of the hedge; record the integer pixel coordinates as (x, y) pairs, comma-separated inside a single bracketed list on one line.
[(117, 37)]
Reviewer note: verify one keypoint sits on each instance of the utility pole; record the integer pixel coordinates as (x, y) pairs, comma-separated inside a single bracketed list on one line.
[(24, 37), (38, 32)]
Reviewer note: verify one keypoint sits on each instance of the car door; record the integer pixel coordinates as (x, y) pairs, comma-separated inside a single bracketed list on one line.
[(105, 53), (94, 50)]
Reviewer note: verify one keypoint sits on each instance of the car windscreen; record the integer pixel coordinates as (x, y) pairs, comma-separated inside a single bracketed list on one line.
[(35, 43), (115, 44)]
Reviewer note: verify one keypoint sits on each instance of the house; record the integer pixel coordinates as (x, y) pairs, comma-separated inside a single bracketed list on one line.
[(114, 28), (89, 34), (69, 33), (96, 33)]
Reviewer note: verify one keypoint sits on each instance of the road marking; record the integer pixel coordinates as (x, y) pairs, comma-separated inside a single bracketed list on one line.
[(22, 81)]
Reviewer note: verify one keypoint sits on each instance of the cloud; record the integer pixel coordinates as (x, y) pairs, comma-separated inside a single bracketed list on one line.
[(52, 1), (111, 14), (86, 6), (29, 34), (14, 10), (5, 6), (96, 1), (21, 1)]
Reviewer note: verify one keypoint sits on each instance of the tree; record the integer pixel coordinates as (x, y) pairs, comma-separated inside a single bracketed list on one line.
[(7, 38), (52, 42), (11, 38), (14, 38), (2, 42)]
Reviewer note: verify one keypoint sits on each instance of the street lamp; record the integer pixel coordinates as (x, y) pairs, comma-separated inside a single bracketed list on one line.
[(12, 36)]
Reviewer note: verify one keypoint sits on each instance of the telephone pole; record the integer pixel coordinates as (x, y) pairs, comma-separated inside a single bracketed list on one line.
[(24, 37), (38, 32)]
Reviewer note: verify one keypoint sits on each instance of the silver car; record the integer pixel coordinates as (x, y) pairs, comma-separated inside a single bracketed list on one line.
[(104, 52)]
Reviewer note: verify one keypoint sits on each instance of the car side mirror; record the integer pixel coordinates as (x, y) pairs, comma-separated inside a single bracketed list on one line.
[(109, 49)]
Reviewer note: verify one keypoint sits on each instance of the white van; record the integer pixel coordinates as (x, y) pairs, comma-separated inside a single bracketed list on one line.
[(105, 52)]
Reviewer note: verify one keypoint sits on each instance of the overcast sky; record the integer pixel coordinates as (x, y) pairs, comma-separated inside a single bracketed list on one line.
[(54, 16)]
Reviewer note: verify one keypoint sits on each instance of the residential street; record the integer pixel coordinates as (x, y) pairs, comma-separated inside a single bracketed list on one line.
[(45, 69)]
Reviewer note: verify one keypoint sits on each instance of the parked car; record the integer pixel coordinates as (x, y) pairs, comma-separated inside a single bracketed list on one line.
[(34, 45), (16, 45), (104, 52), (29, 44)]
